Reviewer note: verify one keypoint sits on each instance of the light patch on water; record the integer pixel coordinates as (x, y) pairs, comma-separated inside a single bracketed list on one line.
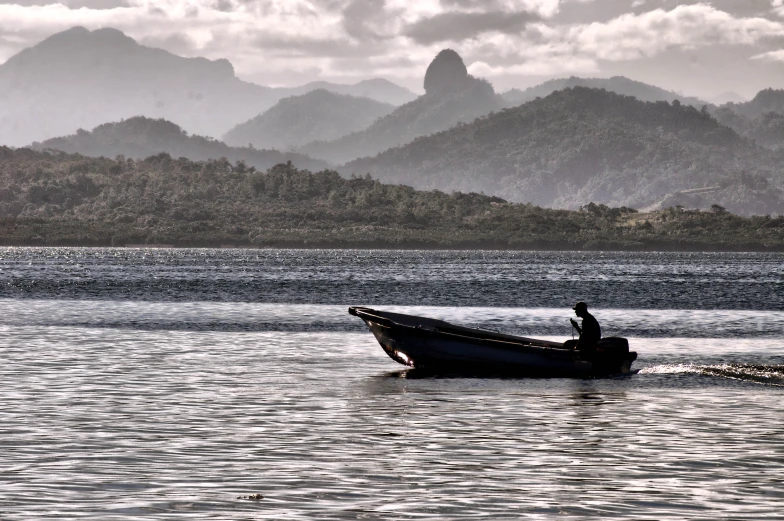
[(168, 383), (120, 423), (728, 328), (762, 374)]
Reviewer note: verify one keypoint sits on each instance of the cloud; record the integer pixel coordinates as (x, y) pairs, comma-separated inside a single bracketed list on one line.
[(72, 4), (771, 56), (536, 67), (778, 7), (458, 26), (281, 41), (634, 36)]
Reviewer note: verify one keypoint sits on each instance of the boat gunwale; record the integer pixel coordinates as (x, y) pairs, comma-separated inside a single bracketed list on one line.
[(510, 343)]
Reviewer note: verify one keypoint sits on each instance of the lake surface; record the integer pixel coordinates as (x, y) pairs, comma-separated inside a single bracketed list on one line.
[(167, 383)]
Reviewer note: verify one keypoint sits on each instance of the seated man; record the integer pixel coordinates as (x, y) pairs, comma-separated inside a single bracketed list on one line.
[(590, 332)]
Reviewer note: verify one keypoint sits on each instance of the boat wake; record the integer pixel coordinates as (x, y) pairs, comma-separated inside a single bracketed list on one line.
[(772, 375)]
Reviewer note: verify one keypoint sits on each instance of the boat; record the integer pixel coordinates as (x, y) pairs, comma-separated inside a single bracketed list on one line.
[(436, 345)]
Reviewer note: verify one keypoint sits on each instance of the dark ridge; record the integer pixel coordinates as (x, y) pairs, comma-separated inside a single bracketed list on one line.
[(65, 199), (582, 145)]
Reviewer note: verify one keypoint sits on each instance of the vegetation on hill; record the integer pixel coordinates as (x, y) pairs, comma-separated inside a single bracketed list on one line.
[(62, 199), (577, 146), (760, 120), (767, 100), (142, 137), (766, 129), (617, 84), (317, 115), (465, 99), (735, 194), (379, 89)]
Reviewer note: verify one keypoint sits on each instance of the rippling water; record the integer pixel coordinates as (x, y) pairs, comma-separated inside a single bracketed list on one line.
[(168, 383)]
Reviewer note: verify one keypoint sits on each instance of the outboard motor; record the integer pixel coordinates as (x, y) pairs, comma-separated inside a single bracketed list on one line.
[(612, 347)]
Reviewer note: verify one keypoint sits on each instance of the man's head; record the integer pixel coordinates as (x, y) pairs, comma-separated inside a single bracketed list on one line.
[(580, 309)]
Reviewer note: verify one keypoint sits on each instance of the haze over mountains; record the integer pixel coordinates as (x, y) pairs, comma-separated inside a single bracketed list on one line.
[(142, 137), (80, 79), (452, 96), (378, 89), (760, 119), (617, 84), (564, 143), (583, 145), (316, 115)]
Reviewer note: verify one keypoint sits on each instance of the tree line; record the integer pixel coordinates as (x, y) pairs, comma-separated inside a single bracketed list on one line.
[(49, 198)]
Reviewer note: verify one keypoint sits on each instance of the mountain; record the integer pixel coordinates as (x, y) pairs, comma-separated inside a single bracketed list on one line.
[(577, 146), (761, 119), (80, 78), (617, 84), (141, 137), (451, 96), (378, 89), (766, 129), (736, 194), (727, 97), (768, 100), (317, 115)]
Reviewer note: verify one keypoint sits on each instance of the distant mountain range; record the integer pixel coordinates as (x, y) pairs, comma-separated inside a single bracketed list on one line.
[(452, 97), (383, 91), (582, 145), (727, 97), (564, 143), (761, 119), (142, 137), (316, 115), (80, 79), (768, 100), (617, 84)]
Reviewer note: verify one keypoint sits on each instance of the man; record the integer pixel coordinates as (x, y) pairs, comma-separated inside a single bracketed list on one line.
[(590, 332)]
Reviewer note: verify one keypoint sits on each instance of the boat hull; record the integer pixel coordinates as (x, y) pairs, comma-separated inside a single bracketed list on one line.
[(439, 346)]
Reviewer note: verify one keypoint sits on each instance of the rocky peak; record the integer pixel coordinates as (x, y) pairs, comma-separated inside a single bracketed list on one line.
[(446, 73)]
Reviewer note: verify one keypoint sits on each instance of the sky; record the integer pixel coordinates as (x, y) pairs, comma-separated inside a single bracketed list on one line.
[(702, 48)]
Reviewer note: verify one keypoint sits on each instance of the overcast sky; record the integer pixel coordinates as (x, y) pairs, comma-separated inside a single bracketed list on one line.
[(699, 48)]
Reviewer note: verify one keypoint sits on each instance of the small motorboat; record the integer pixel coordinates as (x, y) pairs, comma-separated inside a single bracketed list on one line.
[(435, 345)]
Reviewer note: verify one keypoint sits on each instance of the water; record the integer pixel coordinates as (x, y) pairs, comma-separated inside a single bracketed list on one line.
[(167, 383)]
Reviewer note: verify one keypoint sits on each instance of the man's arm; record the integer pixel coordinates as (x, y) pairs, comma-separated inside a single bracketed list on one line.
[(576, 325)]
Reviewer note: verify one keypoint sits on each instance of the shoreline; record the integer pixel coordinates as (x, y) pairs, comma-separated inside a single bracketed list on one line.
[(683, 248)]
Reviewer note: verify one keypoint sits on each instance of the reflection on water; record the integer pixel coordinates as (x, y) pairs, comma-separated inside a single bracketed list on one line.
[(119, 423), (698, 281), (728, 328), (116, 408), (764, 374)]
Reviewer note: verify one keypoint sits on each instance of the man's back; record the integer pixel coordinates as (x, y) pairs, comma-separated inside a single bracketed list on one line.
[(591, 331)]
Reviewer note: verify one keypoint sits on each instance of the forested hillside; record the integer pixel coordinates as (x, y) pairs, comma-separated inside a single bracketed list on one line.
[(617, 84), (452, 96), (766, 129), (381, 90), (142, 137), (56, 198), (761, 119), (768, 100), (578, 146), (297, 120)]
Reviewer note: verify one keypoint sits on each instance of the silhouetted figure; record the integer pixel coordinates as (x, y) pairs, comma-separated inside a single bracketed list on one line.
[(590, 332)]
